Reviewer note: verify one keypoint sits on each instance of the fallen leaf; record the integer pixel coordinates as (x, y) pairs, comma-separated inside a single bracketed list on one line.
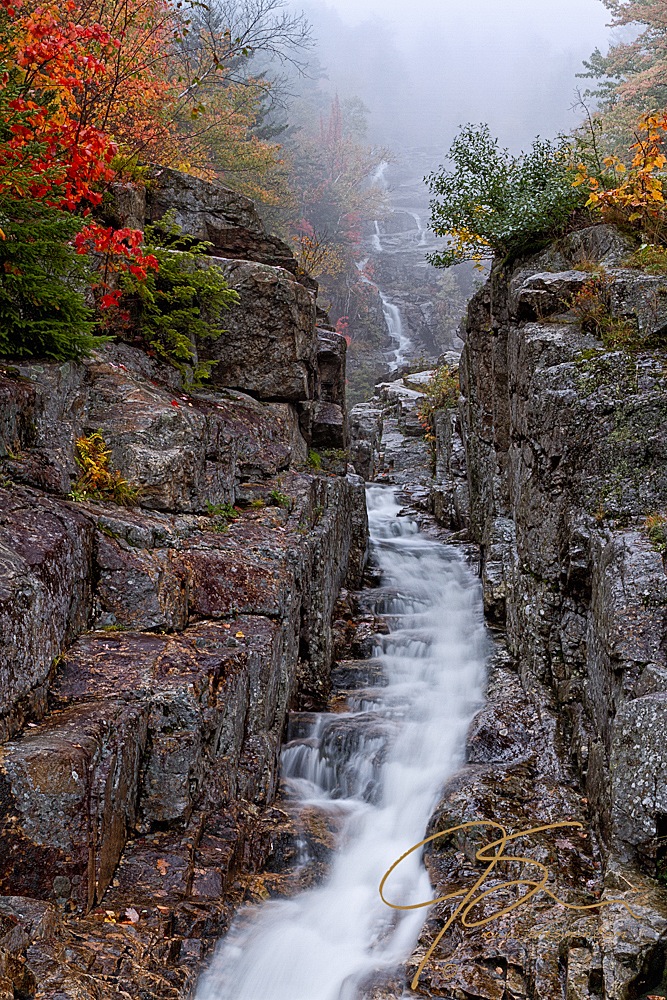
[(162, 866), (132, 915), (240, 635)]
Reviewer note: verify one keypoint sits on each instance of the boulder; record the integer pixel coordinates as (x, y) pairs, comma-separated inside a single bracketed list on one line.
[(211, 212), (540, 295), (365, 436), (70, 789), (269, 349), (329, 428), (331, 357), (185, 450)]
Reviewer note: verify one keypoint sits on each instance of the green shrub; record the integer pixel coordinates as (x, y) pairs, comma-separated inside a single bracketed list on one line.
[(181, 303), (490, 203), (224, 511), (650, 258), (280, 499), (43, 313), (441, 393), (314, 460)]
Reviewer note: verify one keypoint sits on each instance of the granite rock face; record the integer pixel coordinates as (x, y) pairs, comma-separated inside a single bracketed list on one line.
[(269, 348), (46, 594), (563, 444), (150, 660), (366, 420), (330, 423), (206, 211), (149, 654)]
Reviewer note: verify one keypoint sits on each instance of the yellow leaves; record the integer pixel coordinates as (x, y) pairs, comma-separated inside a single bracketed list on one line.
[(639, 194), (97, 480)]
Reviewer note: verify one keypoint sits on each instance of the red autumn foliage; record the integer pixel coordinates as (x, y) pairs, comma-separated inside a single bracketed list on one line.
[(49, 61), (120, 250)]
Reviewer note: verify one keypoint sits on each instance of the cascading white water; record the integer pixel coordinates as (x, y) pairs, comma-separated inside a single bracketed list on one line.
[(376, 238), (394, 321), (386, 775), (379, 178), (421, 230)]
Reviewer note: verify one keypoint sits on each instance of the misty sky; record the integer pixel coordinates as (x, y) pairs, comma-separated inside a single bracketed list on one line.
[(424, 67)]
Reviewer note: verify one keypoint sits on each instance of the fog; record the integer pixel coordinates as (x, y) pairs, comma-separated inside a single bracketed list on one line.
[(424, 67)]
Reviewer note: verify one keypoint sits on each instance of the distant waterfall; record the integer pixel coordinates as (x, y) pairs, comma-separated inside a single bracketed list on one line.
[(394, 323)]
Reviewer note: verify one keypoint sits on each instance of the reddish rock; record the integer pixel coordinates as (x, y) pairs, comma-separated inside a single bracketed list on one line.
[(183, 450), (45, 595), (69, 791)]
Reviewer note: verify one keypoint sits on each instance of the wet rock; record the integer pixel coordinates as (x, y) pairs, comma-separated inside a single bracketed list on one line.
[(329, 428), (355, 674), (514, 777), (70, 790), (541, 295), (564, 453), (213, 213), (365, 437), (269, 348), (46, 550), (331, 358), (135, 804), (184, 450), (450, 494)]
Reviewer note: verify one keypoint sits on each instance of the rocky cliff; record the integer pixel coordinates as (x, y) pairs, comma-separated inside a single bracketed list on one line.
[(555, 459), (553, 464), (150, 653)]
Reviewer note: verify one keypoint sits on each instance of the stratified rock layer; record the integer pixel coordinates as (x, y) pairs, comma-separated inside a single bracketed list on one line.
[(555, 458), (149, 654)]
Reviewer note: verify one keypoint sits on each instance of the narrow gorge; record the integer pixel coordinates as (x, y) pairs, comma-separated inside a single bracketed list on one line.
[(227, 708)]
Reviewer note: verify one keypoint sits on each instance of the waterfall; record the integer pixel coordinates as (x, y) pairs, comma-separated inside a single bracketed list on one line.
[(384, 763), (421, 229), (376, 239), (379, 178), (394, 323)]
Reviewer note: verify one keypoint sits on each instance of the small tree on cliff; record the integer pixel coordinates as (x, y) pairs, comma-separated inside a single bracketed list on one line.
[(490, 203)]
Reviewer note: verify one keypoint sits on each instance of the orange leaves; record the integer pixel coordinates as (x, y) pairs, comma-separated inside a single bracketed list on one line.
[(47, 60), (639, 196)]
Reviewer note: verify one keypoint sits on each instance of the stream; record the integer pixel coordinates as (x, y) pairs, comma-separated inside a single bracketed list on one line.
[(382, 765)]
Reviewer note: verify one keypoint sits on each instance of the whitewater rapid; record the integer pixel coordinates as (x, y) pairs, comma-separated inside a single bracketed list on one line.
[(325, 943)]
